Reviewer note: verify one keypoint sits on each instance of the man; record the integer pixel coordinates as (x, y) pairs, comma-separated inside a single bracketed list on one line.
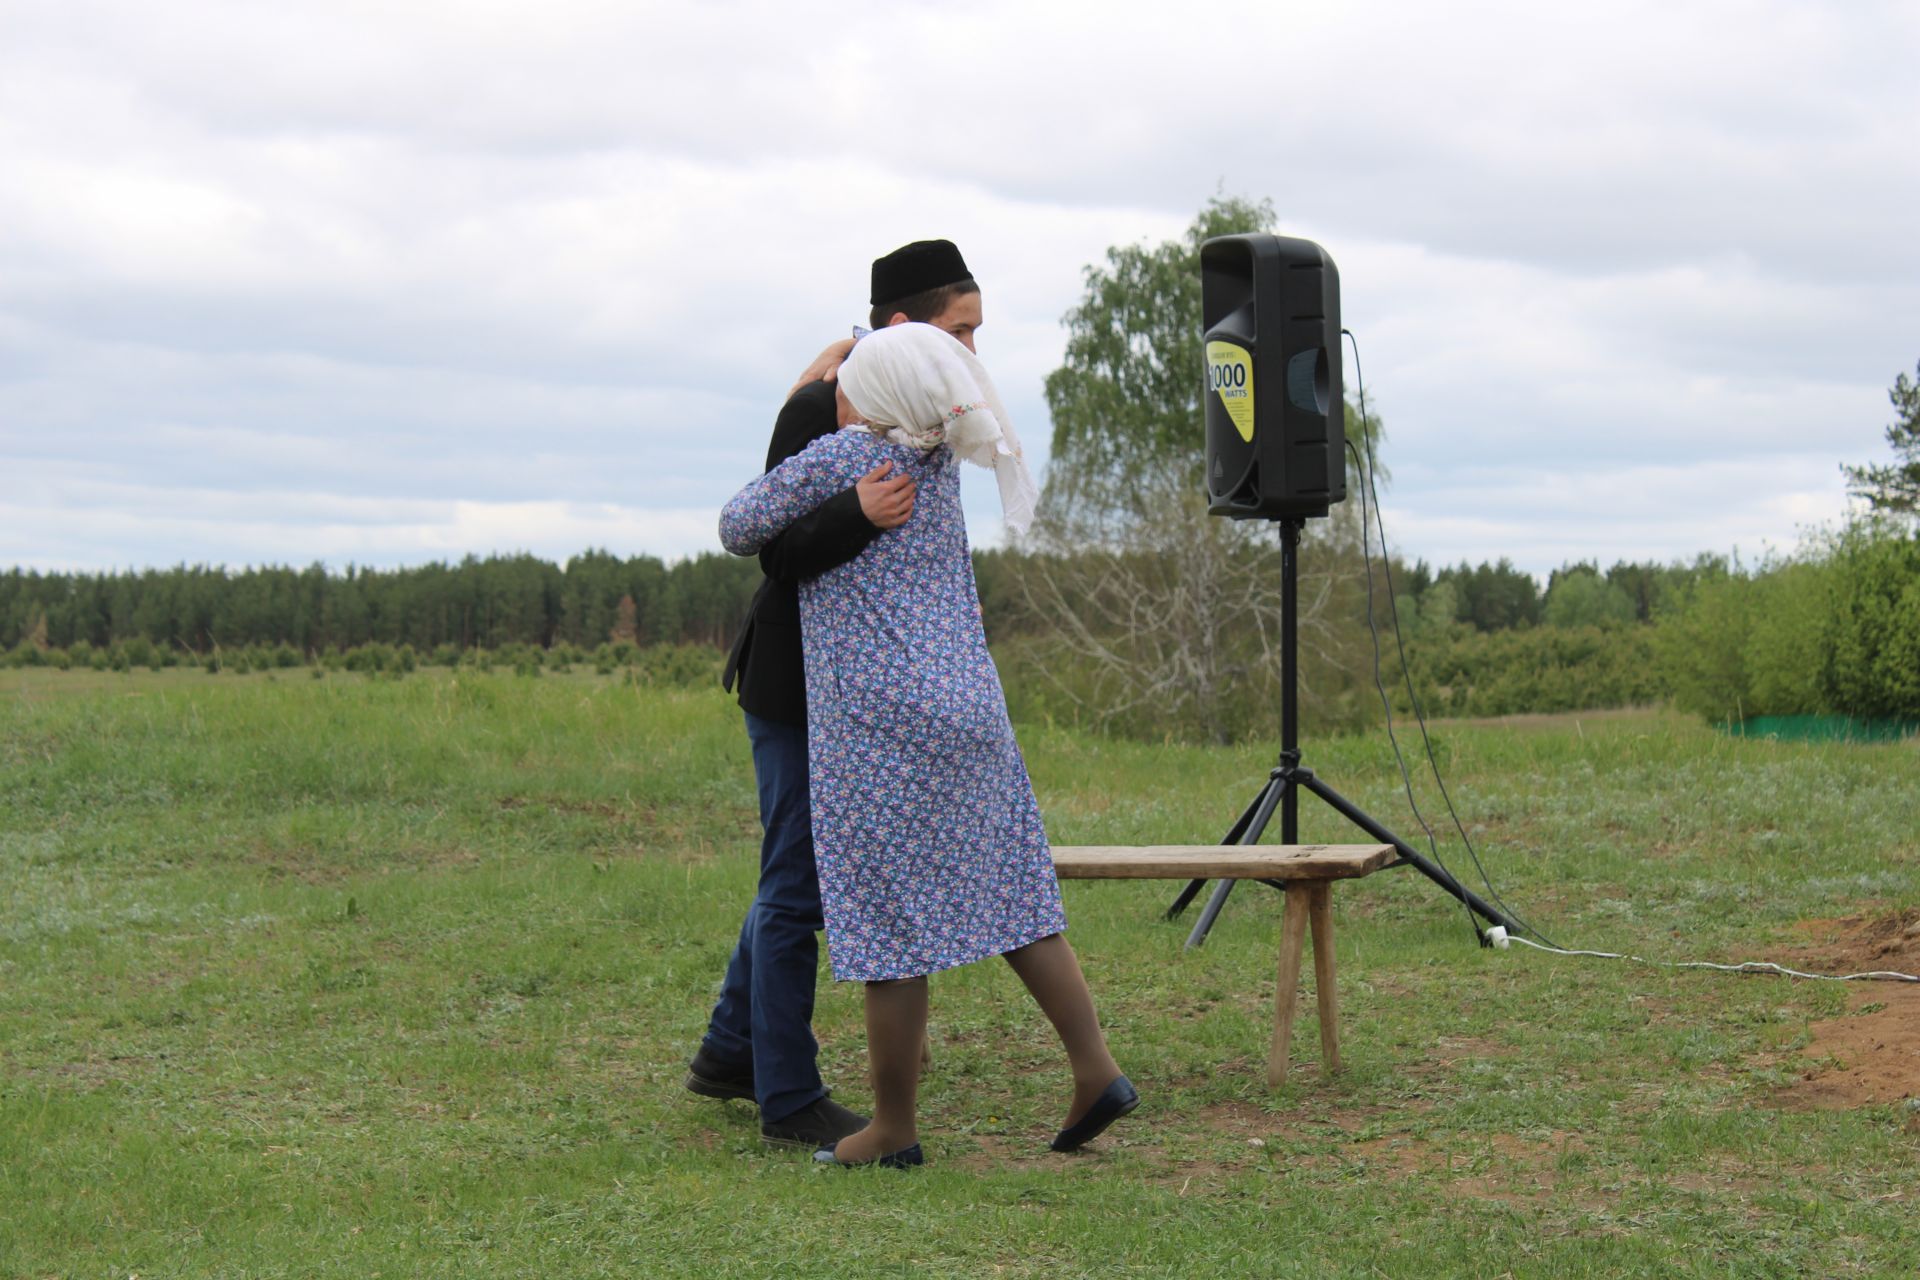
[(759, 1042)]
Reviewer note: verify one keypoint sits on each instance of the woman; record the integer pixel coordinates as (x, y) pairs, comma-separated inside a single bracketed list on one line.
[(928, 841)]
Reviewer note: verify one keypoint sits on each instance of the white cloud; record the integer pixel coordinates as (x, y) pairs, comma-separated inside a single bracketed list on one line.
[(1541, 519), (422, 255)]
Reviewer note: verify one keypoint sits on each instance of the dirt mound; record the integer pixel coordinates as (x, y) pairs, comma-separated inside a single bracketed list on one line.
[(1864, 943), (1870, 1054)]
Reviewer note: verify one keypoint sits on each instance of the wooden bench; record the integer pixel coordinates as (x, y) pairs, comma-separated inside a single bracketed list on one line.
[(1307, 870)]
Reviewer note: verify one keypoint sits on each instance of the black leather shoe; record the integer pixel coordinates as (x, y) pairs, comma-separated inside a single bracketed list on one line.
[(711, 1078), (1119, 1098), (905, 1158), (818, 1124)]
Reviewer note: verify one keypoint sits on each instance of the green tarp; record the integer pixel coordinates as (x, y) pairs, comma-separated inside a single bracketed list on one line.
[(1823, 728)]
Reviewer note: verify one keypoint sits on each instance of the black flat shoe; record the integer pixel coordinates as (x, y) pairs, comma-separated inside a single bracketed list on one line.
[(906, 1158), (1118, 1098)]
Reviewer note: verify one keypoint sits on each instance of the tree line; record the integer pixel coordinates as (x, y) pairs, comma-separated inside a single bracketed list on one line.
[(483, 604), (596, 597)]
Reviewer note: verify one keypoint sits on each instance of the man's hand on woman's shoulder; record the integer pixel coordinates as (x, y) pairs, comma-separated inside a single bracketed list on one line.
[(886, 503)]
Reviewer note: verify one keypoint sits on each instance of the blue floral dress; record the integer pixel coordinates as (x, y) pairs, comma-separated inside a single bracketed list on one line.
[(927, 837)]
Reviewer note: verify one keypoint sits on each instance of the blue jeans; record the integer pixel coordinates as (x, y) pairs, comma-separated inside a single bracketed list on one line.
[(765, 1012)]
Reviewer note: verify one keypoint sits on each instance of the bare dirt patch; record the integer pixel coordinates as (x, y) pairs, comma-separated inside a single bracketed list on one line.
[(1870, 1054), (598, 808), (1858, 944), (311, 866)]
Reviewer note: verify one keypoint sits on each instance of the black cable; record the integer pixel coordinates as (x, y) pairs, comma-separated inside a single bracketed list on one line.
[(1386, 703), (1406, 672)]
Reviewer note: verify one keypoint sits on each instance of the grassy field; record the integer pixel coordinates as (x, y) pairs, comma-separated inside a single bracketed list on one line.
[(336, 977)]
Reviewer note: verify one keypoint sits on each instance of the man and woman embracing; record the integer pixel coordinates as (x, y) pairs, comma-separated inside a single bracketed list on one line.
[(895, 804)]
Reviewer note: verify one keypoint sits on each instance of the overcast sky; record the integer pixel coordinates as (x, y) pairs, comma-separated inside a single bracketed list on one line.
[(395, 282)]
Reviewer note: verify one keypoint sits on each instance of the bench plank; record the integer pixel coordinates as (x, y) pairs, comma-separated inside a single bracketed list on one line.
[(1220, 861)]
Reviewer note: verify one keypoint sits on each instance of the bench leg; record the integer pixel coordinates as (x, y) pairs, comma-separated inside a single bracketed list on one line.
[(1286, 993), (1320, 913)]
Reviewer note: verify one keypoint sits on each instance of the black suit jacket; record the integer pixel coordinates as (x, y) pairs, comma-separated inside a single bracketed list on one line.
[(766, 658)]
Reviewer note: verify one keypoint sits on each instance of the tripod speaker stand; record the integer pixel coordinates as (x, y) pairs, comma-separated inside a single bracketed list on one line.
[(1290, 777), (1271, 310)]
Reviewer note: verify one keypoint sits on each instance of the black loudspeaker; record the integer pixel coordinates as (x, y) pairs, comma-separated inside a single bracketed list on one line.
[(1276, 415)]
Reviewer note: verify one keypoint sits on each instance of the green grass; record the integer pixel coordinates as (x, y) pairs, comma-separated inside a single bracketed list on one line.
[(338, 977)]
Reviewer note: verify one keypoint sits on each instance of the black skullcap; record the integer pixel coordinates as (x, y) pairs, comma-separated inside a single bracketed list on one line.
[(916, 268)]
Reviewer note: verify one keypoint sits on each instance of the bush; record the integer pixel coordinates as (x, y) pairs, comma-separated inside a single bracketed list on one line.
[(1871, 639), (1833, 631), (372, 659), (1458, 671), (1585, 599), (679, 666)]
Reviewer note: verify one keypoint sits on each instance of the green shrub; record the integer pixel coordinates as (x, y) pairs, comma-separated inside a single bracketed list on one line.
[(1458, 671), (679, 666), (1832, 631), (372, 659), (1585, 599), (1699, 646), (1871, 639)]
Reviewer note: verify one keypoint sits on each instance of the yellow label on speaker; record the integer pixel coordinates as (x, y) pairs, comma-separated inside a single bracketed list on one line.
[(1230, 376)]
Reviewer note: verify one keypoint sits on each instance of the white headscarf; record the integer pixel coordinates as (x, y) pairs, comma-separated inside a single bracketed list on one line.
[(927, 390)]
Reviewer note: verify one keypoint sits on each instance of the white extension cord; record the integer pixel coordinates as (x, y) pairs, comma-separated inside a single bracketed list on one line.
[(1498, 936)]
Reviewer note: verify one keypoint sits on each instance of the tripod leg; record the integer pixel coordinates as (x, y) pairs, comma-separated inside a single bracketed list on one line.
[(1248, 829), (1235, 835), (1431, 870), (1187, 895), (1209, 913)]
